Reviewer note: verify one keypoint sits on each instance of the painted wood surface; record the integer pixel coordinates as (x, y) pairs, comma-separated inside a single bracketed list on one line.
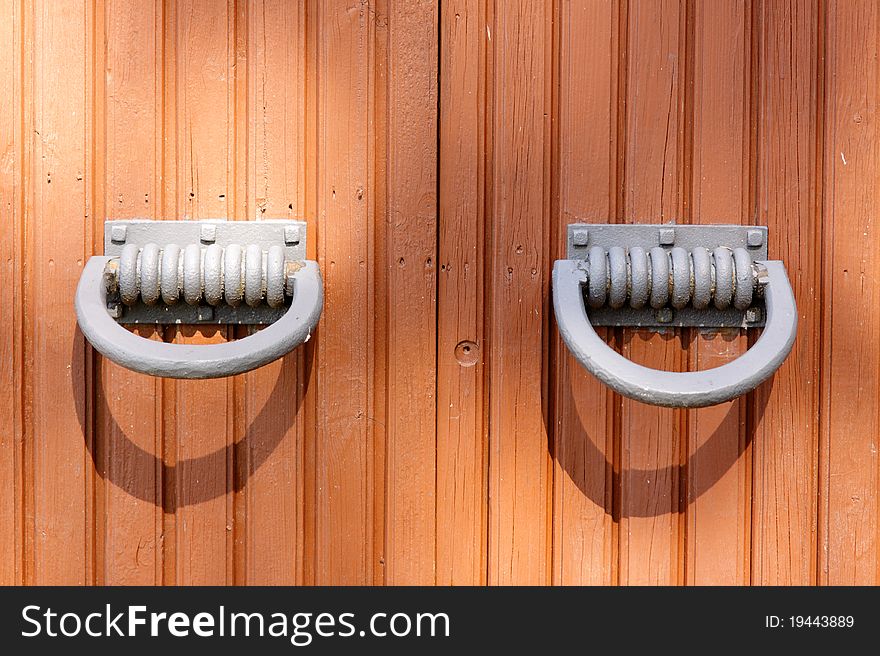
[(435, 429)]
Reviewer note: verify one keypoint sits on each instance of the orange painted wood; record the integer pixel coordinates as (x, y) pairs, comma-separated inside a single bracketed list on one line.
[(12, 205), (438, 151), (344, 543), (848, 481), (519, 465), (270, 44), (128, 436), (717, 481), (785, 444), (410, 253), (583, 409), (461, 343), (200, 174), (57, 239), (651, 440)]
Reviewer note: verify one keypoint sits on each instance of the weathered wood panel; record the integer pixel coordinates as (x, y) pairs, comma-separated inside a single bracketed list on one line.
[(718, 454), (435, 429), (786, 419), (848, 482), (462, 506), (346, 444), (57, 238), (410, 262), (13, 151), (586, 178), (517, 227), (652, 188), (270, 146), (128, 184)]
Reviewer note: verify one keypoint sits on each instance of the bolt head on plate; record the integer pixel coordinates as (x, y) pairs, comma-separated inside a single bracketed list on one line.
[(291, 235), (664, 315), (580, 237), (667, 236), (753, 315), (208, 233), (117, 234), (755, 237)]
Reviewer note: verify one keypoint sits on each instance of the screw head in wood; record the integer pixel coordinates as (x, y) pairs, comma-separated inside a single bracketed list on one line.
[(467, 353)]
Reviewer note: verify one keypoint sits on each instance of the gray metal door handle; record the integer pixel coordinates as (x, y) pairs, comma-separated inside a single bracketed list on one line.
[(138, 281), (196, 360), (674, 389)]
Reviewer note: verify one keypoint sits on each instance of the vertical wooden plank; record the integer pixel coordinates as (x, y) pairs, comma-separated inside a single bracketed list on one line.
[(270, 443), (199, 177), (849, 465), (343, 549), (519, 464), (11, 235), (411, 263), (380, 146), (309, 395), (585, 170), (461, 429), (650, 531), (784, 550), (718, 466), (128, 431), (170, 208), (57, 244)]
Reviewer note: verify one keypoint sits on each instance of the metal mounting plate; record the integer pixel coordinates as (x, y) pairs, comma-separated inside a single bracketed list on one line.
[(583, 236), (265, 233)]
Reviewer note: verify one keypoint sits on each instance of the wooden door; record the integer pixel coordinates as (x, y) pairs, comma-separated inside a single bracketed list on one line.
[(436, 430)]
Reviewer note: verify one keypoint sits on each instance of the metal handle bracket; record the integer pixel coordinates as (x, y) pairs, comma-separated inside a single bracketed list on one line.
[(662, 276), (176, 272)]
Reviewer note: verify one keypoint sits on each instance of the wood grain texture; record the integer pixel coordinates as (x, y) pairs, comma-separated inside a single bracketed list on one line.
[(344, 546), (200, 174), (651, 438), (58, 238), (410, 235), (461, 343), (12, 153), (270, 44), (718, 467), (128, 406), (848, 513), (435, 428), (519, 464), (785, 443), (585, 173)]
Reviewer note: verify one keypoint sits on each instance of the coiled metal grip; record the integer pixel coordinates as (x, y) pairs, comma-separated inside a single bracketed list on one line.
[(182, 272), (675, 277), (211, 275), (657, 276)]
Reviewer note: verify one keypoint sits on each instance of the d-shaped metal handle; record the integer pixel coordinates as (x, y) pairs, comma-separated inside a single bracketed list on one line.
[(196, 360), (666, 388)]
